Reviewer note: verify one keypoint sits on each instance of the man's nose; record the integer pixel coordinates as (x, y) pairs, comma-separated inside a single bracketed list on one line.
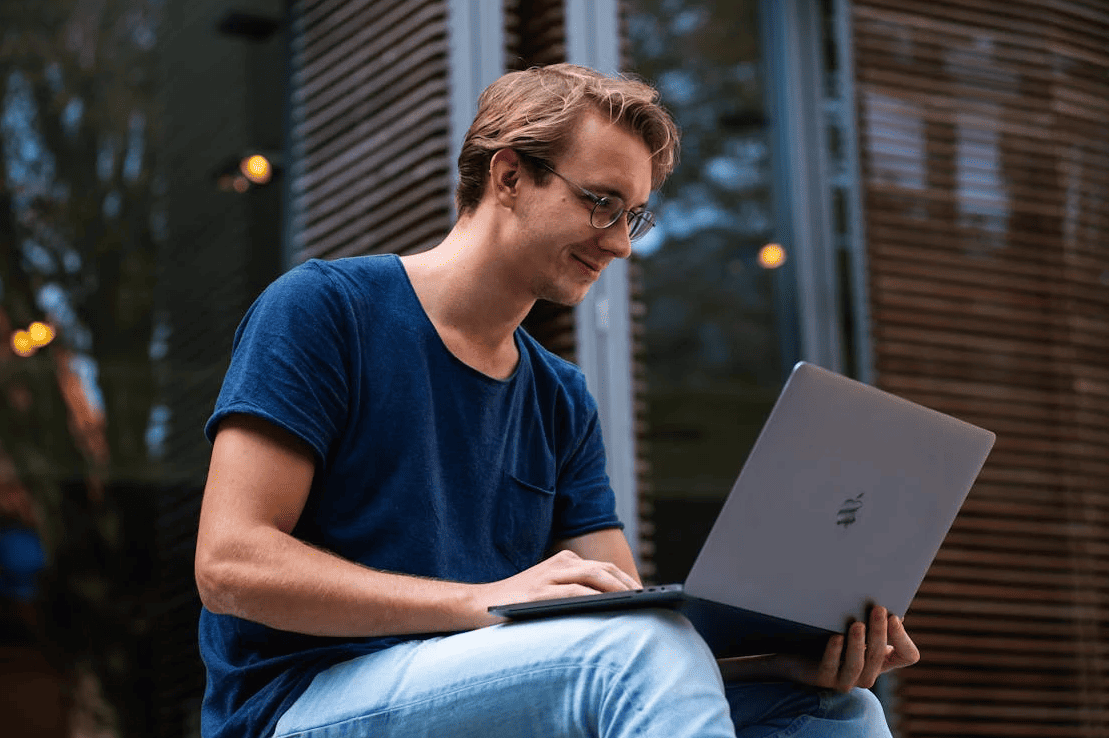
[(615, 239)]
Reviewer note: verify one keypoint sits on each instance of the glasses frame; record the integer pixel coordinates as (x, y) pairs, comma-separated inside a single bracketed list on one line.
[(640, 222)]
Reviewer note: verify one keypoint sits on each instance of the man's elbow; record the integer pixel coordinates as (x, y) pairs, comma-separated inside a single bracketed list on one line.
[(215, 582)]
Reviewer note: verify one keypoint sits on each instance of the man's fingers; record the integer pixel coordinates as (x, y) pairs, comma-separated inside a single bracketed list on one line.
[(565, 574), (605, 580), (905, 651), (828, 670), (573, 590), (608, 572), (857, 658), (854, 658), (628, 580), (602, 576), (875, 647)]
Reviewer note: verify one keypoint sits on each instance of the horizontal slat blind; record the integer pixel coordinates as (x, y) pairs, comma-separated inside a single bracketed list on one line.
[(644, 487), (643, 477), (984, 136), (370, 97), (535, 35)]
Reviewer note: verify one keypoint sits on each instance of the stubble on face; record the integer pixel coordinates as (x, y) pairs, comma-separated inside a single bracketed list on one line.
[(545, 256), (557, 291)]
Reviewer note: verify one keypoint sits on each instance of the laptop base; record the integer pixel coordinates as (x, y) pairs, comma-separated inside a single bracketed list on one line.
[(728, 631)]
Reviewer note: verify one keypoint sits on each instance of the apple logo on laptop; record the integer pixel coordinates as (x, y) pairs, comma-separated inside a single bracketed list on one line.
[(847, 511)]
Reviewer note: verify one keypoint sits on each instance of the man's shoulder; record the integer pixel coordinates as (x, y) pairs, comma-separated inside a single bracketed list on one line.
[(317, 293), (357, 271), (337, 284)]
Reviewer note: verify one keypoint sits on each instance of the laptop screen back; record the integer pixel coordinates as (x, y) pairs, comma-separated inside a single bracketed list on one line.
[(843, 502)]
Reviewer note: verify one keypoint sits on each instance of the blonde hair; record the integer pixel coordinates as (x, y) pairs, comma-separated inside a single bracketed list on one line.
[(534, 112)]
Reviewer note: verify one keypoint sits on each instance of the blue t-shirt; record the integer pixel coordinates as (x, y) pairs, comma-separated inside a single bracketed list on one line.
[(424, 465)]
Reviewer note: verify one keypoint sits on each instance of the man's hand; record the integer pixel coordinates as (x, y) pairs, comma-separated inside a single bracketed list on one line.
[(852, 661), (857, 659), (563, 575)]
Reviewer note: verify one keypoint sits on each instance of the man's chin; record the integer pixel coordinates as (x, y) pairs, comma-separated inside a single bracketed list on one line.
[(566, 300), (563, 297)]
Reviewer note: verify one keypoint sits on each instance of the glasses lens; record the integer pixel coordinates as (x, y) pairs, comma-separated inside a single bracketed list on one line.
[(639, 223), (606, 211)]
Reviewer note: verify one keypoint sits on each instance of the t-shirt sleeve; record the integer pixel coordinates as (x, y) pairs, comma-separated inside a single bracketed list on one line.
[(585, 501), (290, 360)]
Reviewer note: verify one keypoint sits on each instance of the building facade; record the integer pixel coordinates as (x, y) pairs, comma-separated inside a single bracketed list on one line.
[(911, 193), (932, 174)]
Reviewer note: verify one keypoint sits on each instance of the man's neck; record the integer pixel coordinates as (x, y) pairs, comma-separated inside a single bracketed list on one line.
[(469, 299)]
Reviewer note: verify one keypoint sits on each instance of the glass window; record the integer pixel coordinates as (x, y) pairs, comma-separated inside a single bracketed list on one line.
[(720, 330), (135, 230)]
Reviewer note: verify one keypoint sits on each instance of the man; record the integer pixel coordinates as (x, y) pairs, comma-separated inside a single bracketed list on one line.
[(392, 455)]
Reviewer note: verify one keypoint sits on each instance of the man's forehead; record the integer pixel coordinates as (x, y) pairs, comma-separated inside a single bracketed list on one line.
[(610, 156)]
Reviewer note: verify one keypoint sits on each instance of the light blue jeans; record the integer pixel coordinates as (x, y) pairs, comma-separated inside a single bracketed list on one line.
[(644, 673)]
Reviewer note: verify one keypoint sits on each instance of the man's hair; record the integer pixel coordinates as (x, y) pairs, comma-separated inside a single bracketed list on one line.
[(534, 113)]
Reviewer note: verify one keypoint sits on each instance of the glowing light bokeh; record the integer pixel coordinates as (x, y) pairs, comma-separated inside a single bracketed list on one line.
[(41, 333), (22, 343), (38, 334), (241, 185), (772, 256), (257, 169)]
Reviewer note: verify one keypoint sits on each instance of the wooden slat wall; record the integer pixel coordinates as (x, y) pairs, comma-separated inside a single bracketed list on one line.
[(643, 477), (371, 126), (984, 137), (535, 35)]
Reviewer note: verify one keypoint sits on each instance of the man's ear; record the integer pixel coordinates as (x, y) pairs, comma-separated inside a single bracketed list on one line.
[(505, 172)]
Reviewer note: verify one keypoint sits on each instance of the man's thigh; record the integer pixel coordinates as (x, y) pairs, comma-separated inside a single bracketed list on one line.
[(644, 673)]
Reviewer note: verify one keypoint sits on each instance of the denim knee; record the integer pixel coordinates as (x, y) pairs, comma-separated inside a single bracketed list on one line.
[(860, 706), (761, 710), (662, 679), (660, 650), (640, 636)]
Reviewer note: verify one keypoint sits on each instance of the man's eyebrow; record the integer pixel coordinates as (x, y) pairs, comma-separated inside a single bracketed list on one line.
[(603, 189), (612, 191)]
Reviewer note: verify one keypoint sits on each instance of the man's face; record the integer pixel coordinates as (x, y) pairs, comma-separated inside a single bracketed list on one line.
[(562, 251)]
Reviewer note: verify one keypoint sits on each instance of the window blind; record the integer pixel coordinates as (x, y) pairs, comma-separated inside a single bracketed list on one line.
[(984, 144)]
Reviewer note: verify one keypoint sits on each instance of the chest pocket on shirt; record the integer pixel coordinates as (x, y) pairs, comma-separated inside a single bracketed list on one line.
[(524, 516)]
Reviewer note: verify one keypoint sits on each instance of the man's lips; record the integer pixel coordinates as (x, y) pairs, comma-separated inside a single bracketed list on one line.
[(588, 264)]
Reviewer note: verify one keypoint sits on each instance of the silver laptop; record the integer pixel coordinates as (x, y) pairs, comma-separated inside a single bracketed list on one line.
[(842, 504)]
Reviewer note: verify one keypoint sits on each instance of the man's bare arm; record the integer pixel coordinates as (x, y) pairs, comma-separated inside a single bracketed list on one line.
[(248, 564)]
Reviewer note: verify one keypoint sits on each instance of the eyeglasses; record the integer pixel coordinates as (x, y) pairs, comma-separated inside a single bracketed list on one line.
[(607, 210)]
